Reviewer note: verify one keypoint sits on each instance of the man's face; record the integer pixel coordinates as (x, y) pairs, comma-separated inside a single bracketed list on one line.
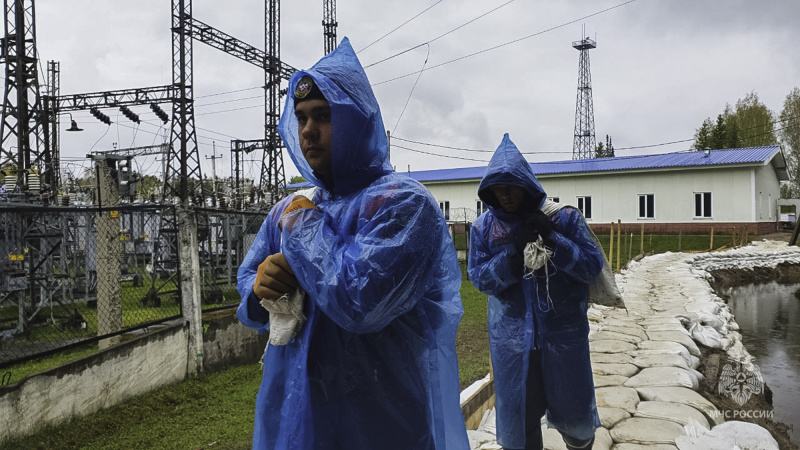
[(314, 129), (509, 197)]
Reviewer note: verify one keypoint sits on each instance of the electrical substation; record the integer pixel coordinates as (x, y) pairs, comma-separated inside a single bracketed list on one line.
[(72, 273)]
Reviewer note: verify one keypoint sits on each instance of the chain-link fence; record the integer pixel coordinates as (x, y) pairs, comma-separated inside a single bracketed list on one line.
[(224, 238), (71, 276)]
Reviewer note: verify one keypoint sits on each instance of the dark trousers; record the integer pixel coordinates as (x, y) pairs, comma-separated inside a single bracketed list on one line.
[(535, 407)]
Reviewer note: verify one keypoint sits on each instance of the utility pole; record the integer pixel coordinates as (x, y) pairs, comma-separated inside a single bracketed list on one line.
[(583, 146), (213, 159)]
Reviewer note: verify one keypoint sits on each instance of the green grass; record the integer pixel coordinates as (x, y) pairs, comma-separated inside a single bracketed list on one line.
[(217, 410), (213, 411), (631, 246), (21, 370), (472, 339)]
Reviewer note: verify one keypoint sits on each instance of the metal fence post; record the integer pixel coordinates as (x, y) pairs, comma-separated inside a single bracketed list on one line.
[(190, 286)]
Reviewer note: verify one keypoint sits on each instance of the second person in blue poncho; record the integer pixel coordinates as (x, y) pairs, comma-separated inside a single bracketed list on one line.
[(538, 329), (374, 365)]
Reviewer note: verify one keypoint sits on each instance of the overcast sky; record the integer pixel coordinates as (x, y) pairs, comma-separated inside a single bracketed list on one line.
[(660, 68)]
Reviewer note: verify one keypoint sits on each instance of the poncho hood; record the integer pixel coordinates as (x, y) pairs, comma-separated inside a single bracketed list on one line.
[(509, 167), (359, 147)]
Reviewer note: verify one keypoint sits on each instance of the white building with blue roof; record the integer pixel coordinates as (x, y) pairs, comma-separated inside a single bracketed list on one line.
[(684, 191)]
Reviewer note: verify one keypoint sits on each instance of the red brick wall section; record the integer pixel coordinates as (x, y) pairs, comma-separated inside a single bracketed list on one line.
[(689, 228)]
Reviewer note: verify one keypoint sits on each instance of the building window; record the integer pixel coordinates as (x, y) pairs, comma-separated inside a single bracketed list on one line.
[(555, 199), (646, 206), (585, 206), (445, 207), (702, 204), (480, 207)]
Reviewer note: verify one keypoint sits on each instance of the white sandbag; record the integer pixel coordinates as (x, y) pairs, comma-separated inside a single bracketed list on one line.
[(639, 430), (612, 335), (660, 360), (617, 397), (626, 370), (602, 440), (684, 396), (611, 346), (663, 376), (594, 315), (708, 336), (660, 321), (611, 416), (608, 380), (667, 327), (624, 322), (626, 446), (631, 330), (478, 438), (657, 347), (734, 434), (611, 358), (676, 412), (675, 336)]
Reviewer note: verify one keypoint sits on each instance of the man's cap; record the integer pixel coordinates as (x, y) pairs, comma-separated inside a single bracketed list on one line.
[(306, 89)]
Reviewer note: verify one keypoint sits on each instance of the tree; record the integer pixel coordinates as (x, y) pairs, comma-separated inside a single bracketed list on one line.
[(750, 124), (297, 179), (604, 151), (719, 138), (789, 132), (702, 136), (754, 121)]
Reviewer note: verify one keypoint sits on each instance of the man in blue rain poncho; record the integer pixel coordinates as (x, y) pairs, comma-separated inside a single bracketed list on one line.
[(374, 365), (538, 329)]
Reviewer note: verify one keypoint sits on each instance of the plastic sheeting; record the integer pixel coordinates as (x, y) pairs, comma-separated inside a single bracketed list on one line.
[(375, 365), (546, 312)]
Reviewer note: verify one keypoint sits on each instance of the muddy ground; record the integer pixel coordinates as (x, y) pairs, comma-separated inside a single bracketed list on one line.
[(711, 358)]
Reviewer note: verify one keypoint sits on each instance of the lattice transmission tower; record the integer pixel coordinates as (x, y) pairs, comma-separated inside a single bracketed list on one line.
[(329, 24), (583, 146), (24, 150)]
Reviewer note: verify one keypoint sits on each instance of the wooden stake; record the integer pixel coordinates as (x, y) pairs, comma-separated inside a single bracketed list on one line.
[(711, 241), (641, 246), (611, 247), (619, 241)]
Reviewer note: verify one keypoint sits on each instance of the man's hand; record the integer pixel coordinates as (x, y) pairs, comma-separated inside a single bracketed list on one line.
[(540, 223), (274, 278), (533, 225)]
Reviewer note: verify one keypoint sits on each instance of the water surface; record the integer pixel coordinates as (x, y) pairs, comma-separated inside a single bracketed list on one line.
[(769, 317)]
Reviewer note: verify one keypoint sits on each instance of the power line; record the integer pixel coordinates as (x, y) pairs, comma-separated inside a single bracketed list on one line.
[(510, 42), (440, 36), (399, 26)]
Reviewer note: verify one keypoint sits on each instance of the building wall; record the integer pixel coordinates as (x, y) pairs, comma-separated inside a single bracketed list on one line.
[(738, 195)]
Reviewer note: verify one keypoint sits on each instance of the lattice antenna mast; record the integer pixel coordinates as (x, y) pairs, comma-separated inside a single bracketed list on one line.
[(23, 144), (583, 146), (329, 24), (273, 179)]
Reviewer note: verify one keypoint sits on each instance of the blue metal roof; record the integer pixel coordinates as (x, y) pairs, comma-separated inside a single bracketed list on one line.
[(733, 156)]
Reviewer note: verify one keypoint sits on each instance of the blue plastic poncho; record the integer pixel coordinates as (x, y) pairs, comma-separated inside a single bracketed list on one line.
[(374, 367), (522, 318)]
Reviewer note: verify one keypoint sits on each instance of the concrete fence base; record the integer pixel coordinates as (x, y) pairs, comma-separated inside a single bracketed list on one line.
[(123, 371)]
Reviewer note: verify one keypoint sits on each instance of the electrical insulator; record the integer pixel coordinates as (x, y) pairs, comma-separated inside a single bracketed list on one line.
[(159, 112), (100, 116), (132, 116), (125, 181)]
